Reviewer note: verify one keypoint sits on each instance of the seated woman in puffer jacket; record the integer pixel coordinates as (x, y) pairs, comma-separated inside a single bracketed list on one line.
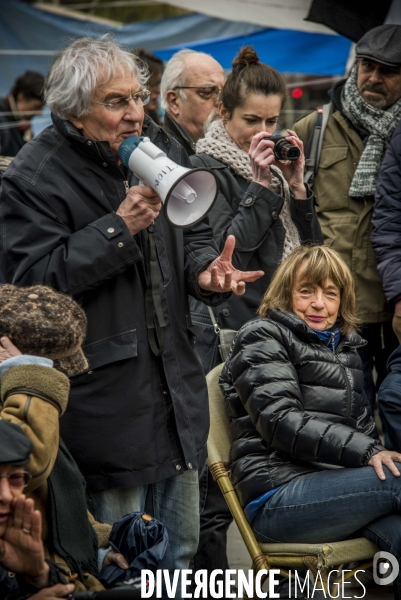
[(306, 461)]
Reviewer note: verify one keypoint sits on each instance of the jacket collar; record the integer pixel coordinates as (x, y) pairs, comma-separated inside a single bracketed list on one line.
[(335, 95), (97, 151), (180, 134), (305, 333)]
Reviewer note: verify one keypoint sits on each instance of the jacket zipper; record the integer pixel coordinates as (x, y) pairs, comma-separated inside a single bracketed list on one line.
[(335, 353), (346, 378)]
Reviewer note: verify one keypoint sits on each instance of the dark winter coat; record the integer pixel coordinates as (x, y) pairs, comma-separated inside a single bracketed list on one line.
[(132, 418), (11, 138), (179, 134), (294, 406), (250, 212), (386, 234), (389, 402)]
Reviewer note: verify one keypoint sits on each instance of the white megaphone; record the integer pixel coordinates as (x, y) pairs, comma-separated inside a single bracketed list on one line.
[(187, 194)]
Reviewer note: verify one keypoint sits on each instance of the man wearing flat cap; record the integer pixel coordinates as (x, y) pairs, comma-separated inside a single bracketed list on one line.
[(361, 118)]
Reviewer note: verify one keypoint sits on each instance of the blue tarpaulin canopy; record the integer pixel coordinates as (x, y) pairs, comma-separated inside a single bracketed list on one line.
[(286, 50), (29, 36)]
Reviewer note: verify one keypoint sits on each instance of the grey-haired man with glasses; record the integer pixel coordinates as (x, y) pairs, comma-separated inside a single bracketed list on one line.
[(190, 90), (76, 219)]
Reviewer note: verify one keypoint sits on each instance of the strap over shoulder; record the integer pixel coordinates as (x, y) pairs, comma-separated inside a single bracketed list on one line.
[(315, 143)]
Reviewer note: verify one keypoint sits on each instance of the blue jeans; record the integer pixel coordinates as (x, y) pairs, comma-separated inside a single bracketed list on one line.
[(174, 501), (332, 505)]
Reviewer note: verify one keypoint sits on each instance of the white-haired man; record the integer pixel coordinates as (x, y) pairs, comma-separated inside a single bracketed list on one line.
[(190, 89), (76, 219)]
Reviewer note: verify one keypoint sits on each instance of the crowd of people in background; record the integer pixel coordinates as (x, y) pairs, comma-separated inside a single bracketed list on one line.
[(110, 316)]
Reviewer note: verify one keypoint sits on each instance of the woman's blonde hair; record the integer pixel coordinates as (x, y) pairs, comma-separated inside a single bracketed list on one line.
[(317, 264)]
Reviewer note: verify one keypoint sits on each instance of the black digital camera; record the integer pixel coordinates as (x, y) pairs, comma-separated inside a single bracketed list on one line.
[(283, 150)]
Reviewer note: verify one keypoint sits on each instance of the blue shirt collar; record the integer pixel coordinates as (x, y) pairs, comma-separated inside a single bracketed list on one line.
[(331, 337)]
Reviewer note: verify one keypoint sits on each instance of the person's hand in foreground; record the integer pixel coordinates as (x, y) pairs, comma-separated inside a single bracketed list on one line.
[(386, 458), (293, 170), (21, 546), (55, 591), (7, 349), (220, 276), (115, 558), (22, 551), (140, 208), (261, 156)]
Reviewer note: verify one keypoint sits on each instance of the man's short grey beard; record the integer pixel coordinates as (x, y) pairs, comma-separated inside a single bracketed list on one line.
[(381, 104)]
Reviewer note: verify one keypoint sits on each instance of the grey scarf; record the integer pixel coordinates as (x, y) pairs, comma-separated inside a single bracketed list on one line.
[(221, 146), (379, 123)]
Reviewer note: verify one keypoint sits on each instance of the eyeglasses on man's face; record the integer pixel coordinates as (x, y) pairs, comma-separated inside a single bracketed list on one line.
[(121, 104), (206, 92), (18, 479)]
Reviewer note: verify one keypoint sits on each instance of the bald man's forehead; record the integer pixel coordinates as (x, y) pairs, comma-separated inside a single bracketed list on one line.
[(200, 67)]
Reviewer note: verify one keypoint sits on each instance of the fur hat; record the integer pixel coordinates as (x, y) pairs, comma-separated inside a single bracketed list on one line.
[(43, 322)]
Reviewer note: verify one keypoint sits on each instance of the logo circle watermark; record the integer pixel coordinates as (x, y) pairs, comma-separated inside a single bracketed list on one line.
[(385, 568)]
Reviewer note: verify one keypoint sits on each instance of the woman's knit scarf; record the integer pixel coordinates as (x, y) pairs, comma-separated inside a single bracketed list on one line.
[(218, 144), (379, 124)]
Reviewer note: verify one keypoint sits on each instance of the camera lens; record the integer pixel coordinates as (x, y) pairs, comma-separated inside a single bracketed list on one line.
[(293, 153), (286, 151)]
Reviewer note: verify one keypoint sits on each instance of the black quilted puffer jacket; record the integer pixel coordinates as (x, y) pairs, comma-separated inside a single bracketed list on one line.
[(295, 406)]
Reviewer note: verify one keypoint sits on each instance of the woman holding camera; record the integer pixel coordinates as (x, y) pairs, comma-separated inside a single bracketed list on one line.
[(262, 202), (266, 206)]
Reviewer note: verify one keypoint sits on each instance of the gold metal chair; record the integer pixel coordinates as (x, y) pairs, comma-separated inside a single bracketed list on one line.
[(322, 557)]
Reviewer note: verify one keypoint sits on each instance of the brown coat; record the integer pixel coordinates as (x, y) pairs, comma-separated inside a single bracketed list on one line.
[(34, 397), (346, 221)]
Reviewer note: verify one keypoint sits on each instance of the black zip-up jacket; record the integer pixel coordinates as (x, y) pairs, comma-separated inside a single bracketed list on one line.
[(132, 419), (250, 212), (295, 406)]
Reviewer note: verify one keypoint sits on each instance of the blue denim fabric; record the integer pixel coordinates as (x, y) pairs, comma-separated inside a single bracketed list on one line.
[(332, 505), (175, 503)]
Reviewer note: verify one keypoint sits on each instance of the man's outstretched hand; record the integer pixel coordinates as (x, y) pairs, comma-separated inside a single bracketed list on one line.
[(220, 276)]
